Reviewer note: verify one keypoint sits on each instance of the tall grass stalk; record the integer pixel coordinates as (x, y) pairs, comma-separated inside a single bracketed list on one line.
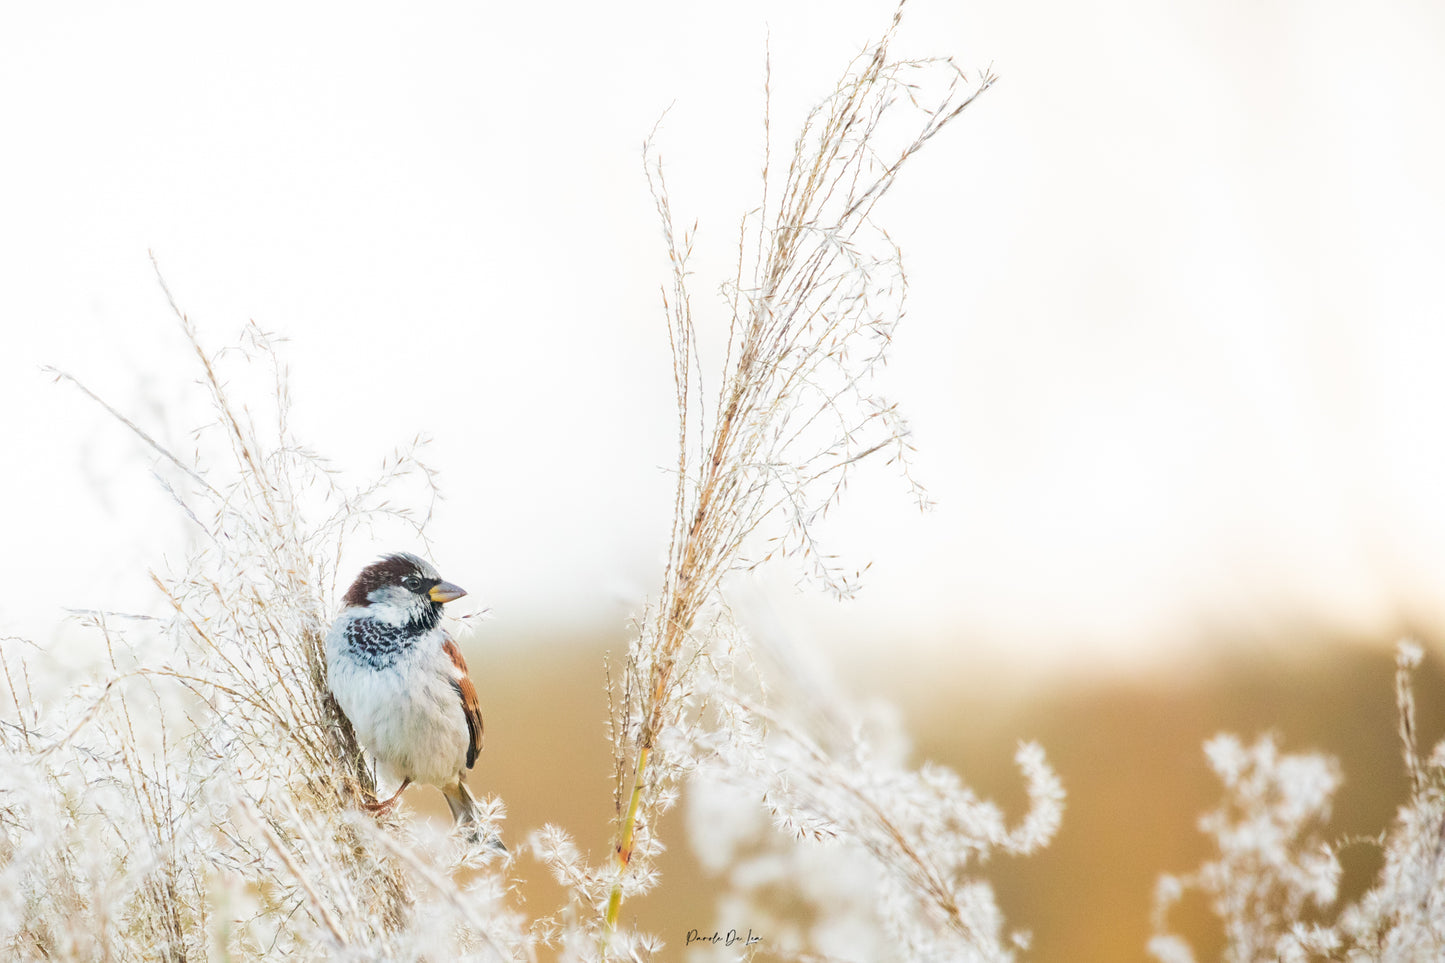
[(818, 290)]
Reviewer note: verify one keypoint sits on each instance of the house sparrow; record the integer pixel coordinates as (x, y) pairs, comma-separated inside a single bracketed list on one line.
[(403, 683)]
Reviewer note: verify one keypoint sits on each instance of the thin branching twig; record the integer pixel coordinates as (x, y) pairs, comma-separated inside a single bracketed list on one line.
[(817, 293)]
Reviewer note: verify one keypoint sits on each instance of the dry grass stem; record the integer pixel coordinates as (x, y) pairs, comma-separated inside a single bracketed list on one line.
[(811, 311)]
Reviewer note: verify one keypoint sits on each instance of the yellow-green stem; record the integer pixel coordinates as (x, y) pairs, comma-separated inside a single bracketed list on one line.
[(624, 846)]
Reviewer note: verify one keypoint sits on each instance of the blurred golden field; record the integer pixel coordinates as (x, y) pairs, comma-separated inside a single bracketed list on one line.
[(1129, 752)]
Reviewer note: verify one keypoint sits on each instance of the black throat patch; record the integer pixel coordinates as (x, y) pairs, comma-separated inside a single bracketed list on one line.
[(379, 644)]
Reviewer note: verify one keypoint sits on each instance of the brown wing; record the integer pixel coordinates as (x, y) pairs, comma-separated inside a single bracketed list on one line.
[(467, 693)]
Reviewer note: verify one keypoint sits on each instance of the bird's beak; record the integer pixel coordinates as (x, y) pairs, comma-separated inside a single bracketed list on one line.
[(445, 592)]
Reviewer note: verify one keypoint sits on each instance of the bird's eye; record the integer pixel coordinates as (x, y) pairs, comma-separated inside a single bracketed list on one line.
[(411, 582)]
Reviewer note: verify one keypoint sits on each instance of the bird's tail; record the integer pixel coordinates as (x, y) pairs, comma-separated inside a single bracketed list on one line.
[(466, 814)]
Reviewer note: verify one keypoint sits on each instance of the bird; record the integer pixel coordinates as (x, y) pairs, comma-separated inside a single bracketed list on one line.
[(403, 684)]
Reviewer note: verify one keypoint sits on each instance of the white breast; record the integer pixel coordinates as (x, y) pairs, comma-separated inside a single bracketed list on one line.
[(407, 715)]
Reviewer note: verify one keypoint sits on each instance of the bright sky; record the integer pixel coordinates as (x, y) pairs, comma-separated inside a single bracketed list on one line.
[(1173, 352)]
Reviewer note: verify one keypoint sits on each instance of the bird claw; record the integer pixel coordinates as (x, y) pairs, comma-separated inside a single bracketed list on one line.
[(384, 806), (380, 808)]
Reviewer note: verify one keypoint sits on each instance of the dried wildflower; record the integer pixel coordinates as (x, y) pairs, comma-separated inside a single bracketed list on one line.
[(811, 311)]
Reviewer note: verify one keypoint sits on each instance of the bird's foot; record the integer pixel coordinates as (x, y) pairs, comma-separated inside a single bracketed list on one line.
[(384, 806), (381, 807)]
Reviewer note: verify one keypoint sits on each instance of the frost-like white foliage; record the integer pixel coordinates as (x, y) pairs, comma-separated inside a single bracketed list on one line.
[(1403, 917), (1270, 866), (881, 859), (799, 897)]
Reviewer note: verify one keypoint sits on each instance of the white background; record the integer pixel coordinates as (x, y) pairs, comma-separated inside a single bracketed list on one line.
[(1173, 352)]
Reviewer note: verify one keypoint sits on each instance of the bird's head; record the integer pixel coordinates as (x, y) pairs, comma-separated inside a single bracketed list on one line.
[(402, 589)]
